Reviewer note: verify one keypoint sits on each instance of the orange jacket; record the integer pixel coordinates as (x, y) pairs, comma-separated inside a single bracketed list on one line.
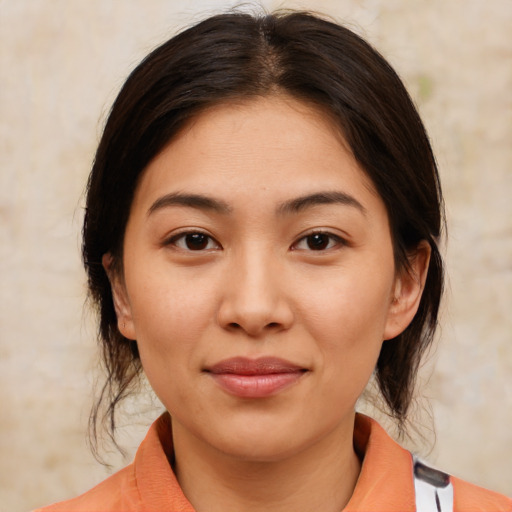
[(385, 483)]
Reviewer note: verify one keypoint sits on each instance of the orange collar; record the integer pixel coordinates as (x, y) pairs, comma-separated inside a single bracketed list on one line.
[(386, 473)]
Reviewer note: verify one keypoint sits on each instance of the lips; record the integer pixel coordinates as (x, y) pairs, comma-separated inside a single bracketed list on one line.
[(255, 378)]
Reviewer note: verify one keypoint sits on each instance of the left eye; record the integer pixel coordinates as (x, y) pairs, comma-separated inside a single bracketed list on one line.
[(318, 242), (194, 241)]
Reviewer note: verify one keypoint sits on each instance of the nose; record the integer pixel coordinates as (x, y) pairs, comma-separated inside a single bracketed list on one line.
[(254, 299)]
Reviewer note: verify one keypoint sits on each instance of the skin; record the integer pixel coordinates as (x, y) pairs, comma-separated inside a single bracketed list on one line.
[(254, 287)]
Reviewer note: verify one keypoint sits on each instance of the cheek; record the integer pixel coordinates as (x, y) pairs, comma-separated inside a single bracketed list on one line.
[(170, 312), (350, 308), (347, 318), (170, 320)]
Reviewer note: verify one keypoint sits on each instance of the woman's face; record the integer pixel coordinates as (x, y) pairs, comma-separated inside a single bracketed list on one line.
[(259, 279)]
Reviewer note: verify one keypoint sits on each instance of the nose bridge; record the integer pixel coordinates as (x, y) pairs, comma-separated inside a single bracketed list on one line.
[(254, 299), (254, 284)]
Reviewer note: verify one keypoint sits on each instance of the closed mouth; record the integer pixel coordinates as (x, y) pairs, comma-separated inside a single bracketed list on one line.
[(259, 366), (255, 378)]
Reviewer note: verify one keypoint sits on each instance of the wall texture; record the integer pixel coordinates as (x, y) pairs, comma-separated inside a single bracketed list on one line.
[(61, 63)]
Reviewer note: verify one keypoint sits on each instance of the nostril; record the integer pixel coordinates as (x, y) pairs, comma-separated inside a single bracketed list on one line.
[(236, 326)]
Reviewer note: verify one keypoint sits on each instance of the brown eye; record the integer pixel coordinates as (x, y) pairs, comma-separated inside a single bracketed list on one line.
[(194, 241), (318, 241)]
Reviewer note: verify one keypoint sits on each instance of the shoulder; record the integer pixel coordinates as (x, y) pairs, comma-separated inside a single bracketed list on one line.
[(118, 492), (148, 483), (471, 498)]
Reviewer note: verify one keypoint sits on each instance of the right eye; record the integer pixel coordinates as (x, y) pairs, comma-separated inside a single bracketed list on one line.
[(319, 241), (194, 241)]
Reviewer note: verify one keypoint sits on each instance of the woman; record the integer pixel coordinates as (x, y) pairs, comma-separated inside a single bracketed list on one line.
[(261, 236)]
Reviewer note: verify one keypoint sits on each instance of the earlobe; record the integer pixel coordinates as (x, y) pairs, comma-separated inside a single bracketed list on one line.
[(122, 306), (408, 289)]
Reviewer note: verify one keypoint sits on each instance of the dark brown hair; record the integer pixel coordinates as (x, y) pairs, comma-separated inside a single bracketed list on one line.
[(237, 55)]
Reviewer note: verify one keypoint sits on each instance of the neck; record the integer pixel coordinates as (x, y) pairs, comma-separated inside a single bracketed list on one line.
[(319, 477)]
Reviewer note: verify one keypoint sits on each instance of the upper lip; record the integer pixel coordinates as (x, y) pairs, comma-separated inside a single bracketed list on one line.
[(259, 366)]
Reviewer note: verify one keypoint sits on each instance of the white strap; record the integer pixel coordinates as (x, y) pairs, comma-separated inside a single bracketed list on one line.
[(433, 488)]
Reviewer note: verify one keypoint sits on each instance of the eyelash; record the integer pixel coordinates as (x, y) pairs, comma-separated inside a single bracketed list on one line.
[(330, 239), (183, 236)]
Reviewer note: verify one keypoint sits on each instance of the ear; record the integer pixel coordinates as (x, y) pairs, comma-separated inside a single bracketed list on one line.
[(120, 297), (408, 289)]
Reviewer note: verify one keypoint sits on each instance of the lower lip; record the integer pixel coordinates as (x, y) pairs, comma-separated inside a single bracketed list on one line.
[(256, 386)]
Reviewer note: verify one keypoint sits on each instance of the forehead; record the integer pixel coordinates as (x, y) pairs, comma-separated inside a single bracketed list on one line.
[(275, 144), (276, 121)]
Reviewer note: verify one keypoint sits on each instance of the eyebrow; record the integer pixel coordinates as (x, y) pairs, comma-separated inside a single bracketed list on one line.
[(302, 203), (296, 205), (198, 201)]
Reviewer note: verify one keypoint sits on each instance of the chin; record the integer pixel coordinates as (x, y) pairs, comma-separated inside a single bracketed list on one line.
[(257, 440)]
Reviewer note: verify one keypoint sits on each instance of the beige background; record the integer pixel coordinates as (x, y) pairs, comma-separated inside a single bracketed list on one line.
[(62, 62)]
